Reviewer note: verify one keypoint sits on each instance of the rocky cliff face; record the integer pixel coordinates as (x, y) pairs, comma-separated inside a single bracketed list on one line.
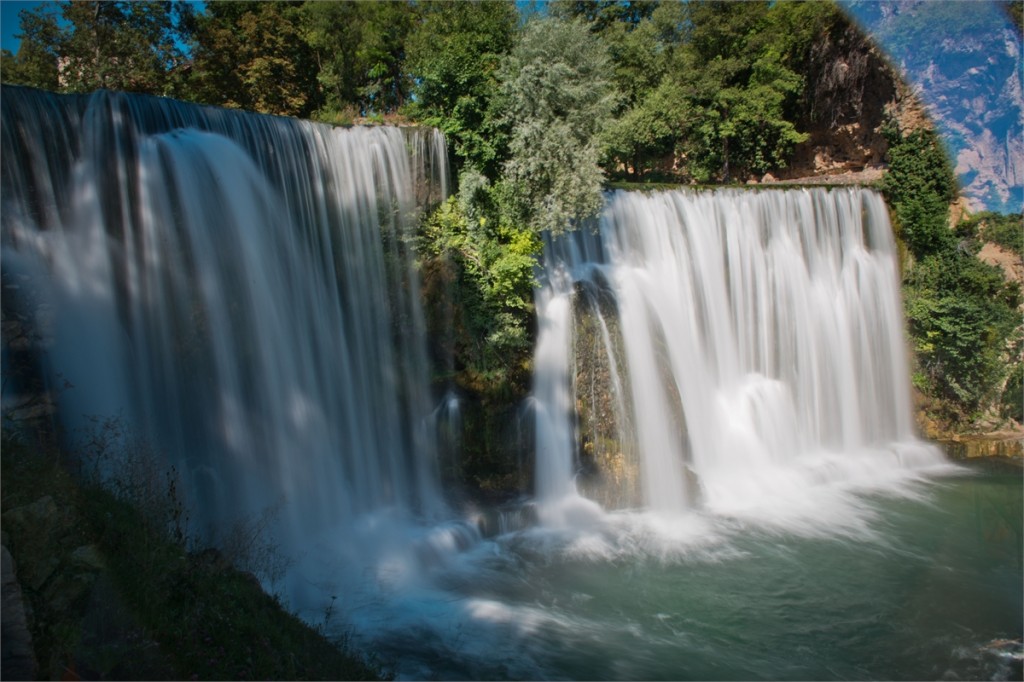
[(854, 91), (853, 88), (963, 61)]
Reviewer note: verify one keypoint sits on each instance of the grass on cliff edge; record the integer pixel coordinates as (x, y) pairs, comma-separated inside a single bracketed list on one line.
[(155, 611)]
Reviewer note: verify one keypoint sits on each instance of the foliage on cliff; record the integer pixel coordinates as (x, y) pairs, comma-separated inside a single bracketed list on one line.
[(478, 266), (962, 313), (1005, 230)]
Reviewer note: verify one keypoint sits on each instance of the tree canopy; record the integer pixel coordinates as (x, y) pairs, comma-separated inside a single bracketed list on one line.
[(251, 55), (453, 57), (81, 46), (557, 98), (703, 90)]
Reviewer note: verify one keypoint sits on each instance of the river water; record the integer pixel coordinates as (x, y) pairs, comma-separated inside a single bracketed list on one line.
[(928, 587)]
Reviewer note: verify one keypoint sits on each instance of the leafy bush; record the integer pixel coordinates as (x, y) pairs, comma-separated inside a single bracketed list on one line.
[(919, 187), (485, 263), (112, 457), (951, 344), (962, 313), (249, 545), (1005, 230)]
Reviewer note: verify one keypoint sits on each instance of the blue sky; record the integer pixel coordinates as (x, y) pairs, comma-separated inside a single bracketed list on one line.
[(9, 21)]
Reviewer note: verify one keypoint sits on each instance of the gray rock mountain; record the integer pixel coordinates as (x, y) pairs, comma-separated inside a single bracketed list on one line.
[(964, 61)]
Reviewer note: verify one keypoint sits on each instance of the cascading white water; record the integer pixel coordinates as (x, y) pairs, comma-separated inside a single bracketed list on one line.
[(763, 341), (238, 288)]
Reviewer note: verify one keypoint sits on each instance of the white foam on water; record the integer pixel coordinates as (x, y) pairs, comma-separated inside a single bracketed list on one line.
[(764, 356)]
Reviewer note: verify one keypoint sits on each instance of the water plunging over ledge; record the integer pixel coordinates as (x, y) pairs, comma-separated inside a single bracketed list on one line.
[(231, 285), (759, 357), (239, 287)]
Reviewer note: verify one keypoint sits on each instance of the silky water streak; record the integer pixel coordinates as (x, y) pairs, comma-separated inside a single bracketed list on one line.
[(232, 285), (760, 354)]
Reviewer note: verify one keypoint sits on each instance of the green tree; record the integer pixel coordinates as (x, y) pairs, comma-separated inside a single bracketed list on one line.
[(359, 52), (332, 30), (649, 130), (38, 52), (643, 41), (600, 15), (382, 49), (130, 46), (715, 84), (742, 90), (557, 99), (251, 55), (919, 187), (453, 57), (626, 28), (962, 314)]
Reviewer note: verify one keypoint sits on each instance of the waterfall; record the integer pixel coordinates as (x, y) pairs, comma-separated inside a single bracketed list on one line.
[(759, 353), (237, 287)]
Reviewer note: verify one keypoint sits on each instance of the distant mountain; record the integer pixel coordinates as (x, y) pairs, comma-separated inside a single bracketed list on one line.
[(964, 61)]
